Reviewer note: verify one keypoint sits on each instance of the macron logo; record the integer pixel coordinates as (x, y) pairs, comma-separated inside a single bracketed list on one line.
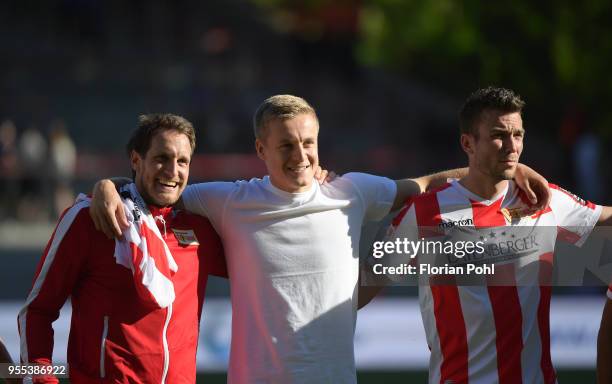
[(458, 223)]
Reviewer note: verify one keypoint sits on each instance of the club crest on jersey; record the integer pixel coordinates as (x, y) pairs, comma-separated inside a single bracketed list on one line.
[(185, 236)]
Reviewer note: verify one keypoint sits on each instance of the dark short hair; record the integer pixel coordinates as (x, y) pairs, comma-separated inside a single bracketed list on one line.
[(490, 98), (151, 124)]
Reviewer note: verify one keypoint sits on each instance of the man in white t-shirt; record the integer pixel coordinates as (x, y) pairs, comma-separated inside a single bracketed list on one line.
[(492, 328), (292, 250)]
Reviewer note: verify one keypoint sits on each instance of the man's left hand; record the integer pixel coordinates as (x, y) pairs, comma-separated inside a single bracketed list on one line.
[(535, 187), (323, 176)]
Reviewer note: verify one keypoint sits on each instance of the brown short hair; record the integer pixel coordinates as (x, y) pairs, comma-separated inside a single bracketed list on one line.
[(490, 98), (282, 107), (149, 125)]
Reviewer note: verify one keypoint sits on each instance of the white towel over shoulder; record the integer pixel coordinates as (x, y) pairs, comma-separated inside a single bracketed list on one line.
[(143, 250)]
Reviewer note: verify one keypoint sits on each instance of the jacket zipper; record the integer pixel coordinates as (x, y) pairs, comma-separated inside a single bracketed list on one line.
[(165, 343), (103, 347)]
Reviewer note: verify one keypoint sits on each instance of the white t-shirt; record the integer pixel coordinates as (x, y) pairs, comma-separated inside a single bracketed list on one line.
[(293, 264), (494, 333)]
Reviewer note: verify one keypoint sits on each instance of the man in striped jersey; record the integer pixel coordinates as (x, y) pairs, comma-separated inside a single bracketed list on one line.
[(120, 331), (498, 331)]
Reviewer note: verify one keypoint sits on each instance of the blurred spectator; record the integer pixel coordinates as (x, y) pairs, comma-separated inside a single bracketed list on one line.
[(62, 154), (8, 168), (8, 149), (582, 148), (587, 172), (33, 161)]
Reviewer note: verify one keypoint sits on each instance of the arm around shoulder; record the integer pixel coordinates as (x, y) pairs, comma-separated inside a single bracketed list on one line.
[(605, 218), (407, 188), (106, 208)]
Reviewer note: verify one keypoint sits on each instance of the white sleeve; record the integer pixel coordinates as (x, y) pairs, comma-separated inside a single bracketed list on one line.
[(208, 200), (376, 192), (573, 215)]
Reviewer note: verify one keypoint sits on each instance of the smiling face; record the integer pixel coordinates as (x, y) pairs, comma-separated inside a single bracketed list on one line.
[(497, 149), (289, 149), (161, 175)]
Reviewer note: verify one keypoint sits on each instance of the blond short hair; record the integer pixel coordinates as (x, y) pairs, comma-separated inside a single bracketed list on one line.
[(283, 107)]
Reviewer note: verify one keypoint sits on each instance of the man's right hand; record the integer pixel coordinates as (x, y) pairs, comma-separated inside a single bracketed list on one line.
[(106, 209)]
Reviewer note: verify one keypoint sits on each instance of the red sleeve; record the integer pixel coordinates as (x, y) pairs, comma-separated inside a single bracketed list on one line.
[(211, 252), (56, 275)]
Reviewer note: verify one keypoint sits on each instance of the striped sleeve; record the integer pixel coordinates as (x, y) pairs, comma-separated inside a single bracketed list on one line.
[(403, 228), (55, 277), (404, 224), (575, 217)]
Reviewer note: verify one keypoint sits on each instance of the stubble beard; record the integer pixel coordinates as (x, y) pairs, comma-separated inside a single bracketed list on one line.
[(504, 175)]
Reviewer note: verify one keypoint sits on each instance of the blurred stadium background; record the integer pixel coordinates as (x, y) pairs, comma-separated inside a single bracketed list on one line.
[(387, 78)]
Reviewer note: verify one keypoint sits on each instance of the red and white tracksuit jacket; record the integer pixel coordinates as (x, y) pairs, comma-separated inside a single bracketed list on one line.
[(115, 336)]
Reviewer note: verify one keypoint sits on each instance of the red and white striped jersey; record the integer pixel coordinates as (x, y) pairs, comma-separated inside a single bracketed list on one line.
[(493, 333)]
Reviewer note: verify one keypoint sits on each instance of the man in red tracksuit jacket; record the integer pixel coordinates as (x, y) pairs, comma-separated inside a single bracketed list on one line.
[(115, 335)]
